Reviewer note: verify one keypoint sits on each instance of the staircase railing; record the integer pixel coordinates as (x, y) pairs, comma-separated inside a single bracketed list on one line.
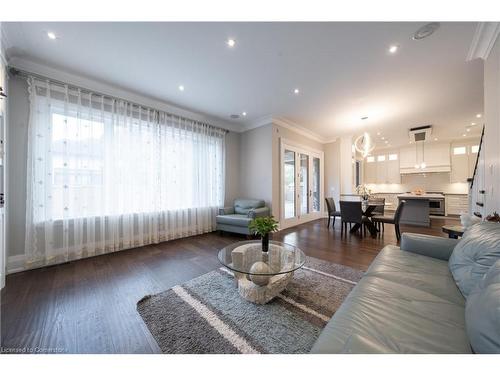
[(475, 206), (471, 180)]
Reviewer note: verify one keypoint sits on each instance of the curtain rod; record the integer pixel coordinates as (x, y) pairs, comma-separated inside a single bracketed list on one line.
[(23, 73)]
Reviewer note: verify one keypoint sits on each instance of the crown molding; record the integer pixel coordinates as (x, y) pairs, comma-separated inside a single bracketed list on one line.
[(285, 123), (288, 124), (112, 90), (484, 38), (262, 121)]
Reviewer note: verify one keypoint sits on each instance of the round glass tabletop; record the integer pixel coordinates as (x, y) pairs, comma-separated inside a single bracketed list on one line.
[(247, 257)]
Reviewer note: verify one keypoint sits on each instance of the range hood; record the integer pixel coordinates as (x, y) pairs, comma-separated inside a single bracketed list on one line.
[(421, 133)]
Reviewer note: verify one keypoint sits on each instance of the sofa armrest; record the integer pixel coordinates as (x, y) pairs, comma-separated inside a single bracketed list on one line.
[(431, 246), (257, 212), (226, 211)]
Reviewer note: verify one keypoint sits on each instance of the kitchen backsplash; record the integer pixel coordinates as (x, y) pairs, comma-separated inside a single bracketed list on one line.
[(428, 182)]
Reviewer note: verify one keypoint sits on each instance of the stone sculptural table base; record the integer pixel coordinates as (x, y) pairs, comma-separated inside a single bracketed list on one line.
[(264, 274)]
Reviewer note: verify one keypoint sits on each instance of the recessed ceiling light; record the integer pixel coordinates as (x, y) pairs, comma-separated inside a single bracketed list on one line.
[(479, 115), (296, 91), (244, 113), (231, 42), (378, 133), (393, 49), (181, 88), (383, 138), (51, 35), (435, 139), (386, 142), (468, 129), (473, 123), (464, 135)]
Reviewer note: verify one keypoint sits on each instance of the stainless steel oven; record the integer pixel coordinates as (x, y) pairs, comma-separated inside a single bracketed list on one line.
[(436, 206)]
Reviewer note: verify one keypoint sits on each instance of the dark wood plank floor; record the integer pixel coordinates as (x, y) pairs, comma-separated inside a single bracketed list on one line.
[(89, 306)]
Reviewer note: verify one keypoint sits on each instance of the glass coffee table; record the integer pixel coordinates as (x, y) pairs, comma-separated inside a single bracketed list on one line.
[(261, 276)]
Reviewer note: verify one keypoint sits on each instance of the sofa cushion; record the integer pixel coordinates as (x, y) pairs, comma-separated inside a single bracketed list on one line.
[(482, 313), (478, 250), (243, 206), (417, 271), (400, 306), (235, 219)]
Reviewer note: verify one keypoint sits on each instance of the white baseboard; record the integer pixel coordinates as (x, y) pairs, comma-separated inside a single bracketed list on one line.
[(15, 263)]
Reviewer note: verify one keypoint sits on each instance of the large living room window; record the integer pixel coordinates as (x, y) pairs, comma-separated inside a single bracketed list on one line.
[(105, 174)]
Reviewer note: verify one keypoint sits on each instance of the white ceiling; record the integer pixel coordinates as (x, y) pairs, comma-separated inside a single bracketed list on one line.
[(343, 70)]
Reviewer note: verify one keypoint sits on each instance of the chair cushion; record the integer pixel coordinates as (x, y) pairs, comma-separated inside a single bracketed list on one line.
[(237, 220), (473, 256), (383, 219), (406, 303), (242, 206), (482, 313)]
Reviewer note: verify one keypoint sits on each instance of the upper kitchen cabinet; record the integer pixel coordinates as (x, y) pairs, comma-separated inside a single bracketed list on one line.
[(370, 169), (382, 168), (463, 160), (436, 157)]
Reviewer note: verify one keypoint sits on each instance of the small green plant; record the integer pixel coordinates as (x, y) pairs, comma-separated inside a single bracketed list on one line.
[(263, 225)]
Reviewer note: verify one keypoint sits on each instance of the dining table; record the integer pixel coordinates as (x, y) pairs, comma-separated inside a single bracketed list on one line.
[(368, 208)]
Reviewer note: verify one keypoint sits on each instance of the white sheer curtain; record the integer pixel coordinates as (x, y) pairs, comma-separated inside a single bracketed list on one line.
[(106, 175)]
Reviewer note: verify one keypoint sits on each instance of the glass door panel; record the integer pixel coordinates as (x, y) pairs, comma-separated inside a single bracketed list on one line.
[(304, 184), (316, 191), (289, 184)]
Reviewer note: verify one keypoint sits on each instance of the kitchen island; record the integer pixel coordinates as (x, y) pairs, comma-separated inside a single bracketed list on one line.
[(416, 210)]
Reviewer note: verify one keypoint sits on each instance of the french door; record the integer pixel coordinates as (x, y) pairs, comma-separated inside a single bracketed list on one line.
[(301, 184)]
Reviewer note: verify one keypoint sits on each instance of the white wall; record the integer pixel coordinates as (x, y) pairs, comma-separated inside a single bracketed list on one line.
[(346, 165), (255, 164), (332, 170), (491, 140), (16, 169), (232, 184)]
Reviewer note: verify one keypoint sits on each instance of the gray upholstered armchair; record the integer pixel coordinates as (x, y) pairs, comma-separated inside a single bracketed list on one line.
[(237, 218)]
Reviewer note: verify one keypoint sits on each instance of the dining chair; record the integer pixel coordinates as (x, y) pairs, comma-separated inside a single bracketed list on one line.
[(351, 212), (379, 210), (392, 219), (332, 211)]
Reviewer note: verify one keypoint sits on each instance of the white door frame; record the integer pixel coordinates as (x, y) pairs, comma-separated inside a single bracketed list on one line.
[(286, 144)]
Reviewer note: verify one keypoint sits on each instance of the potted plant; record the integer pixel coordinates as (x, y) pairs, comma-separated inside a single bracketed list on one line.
[(263, 226)]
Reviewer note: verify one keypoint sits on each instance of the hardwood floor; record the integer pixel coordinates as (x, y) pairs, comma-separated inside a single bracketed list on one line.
[(89, 306)]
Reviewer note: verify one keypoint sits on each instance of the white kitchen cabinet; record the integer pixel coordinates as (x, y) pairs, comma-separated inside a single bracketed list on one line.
[(435, 155), (407, 158), (370, 169), (456, 204), (393, 174), (463, 160), (382, 168)]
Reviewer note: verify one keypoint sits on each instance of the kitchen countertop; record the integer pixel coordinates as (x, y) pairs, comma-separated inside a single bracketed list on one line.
[(422, 196)]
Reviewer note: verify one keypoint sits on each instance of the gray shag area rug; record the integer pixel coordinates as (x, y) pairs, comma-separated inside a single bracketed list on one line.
[(207, 315)]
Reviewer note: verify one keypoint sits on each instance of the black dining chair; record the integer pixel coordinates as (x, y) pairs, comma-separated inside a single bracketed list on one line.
[(378, 211), (392, 219), (351, 212), (332, 211)]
